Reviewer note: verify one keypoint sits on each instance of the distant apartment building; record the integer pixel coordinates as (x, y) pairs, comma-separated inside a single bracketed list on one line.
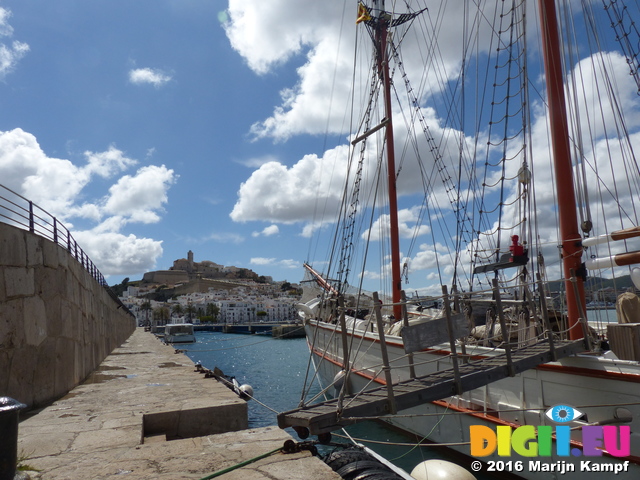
[(235, 311), (280, 311)]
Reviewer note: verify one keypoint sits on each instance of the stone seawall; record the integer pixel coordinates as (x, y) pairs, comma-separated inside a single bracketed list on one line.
[(57, 323)]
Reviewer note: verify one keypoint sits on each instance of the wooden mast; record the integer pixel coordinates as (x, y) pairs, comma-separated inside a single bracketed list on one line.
[(570, 235), (382, 53)]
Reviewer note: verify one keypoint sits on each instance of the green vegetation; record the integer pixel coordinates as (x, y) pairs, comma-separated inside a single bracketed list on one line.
[(22, 466), (120, 288)]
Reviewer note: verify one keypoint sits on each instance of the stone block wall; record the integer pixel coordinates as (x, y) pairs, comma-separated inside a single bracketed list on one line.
[(57, 323)]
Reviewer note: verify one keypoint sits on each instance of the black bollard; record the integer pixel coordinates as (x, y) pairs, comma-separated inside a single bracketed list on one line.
[(9, 410)]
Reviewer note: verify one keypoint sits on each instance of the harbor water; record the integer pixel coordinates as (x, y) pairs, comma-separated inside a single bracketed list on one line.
[(276, 370)]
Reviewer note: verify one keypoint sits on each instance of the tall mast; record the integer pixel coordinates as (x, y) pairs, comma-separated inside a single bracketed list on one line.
[(571, 237), (382, 23)]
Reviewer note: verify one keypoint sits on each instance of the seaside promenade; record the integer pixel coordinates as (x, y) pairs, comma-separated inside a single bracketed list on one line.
[(146, 413)]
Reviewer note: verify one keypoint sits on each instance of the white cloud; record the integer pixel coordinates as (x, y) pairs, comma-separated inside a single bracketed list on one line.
[(9, 54), (58, 186), (141, 196), (256, 162), (107, 163), (6, 30), (277, 193), (52, 183), (118, 254), (155, 77), (289, 263), (262, 261), (320, 37), (408, 225), (256, 29), (267, 231)]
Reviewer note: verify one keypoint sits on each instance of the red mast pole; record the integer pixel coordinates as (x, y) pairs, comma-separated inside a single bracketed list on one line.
[(571, 237), (383, 69)]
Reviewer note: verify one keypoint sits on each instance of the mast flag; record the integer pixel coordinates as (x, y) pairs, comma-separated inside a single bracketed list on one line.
[(363, 13)]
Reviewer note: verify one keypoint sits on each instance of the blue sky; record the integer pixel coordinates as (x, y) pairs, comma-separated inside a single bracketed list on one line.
[(154, 127), (156, 86)]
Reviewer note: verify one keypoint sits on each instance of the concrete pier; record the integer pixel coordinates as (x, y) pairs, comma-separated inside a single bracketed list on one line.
[(145, 413)]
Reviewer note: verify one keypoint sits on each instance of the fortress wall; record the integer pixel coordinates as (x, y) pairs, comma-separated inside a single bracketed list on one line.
[(169, 277), (57, 323)]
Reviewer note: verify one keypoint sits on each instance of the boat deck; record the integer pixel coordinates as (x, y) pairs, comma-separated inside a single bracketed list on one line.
[(325, 417)]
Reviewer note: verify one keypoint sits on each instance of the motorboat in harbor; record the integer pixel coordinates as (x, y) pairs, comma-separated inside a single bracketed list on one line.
[(179, 333)]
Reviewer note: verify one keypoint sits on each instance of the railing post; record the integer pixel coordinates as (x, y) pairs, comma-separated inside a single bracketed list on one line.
[(452, 341), (55, 230), (582, 313), (345, 343), (32, 228), (545, 318), (506, 336), (385, 355), (458, 309), (405, 322)]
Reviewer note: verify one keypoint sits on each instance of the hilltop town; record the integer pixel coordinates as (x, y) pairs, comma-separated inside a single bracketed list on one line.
[(206, 292)]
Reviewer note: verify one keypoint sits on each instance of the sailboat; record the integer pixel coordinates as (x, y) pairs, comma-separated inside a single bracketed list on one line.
[(525, 152)]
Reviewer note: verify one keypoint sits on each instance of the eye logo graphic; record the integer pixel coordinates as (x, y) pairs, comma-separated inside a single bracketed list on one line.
[(563, 413)]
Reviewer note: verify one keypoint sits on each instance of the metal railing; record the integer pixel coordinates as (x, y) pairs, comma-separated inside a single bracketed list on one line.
[(23, 213)]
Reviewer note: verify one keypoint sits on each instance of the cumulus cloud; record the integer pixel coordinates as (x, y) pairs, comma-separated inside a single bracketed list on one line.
[(153, 76), (250, 28), (58, 186), (408, 225), (10, 54), (119, 254), (139, 197), (53, 183), (320, 36), (267, 232), (277, 193)]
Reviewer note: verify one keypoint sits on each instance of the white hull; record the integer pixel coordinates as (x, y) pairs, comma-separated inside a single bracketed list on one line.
[(180, 338), (597, 386)]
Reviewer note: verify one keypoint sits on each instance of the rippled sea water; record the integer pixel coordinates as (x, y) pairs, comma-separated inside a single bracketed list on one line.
[(276, 370)]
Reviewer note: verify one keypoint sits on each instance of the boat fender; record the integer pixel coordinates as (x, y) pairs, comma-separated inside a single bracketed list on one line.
[(338, 380), (441, 469), (635, 277), (245, 392)]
